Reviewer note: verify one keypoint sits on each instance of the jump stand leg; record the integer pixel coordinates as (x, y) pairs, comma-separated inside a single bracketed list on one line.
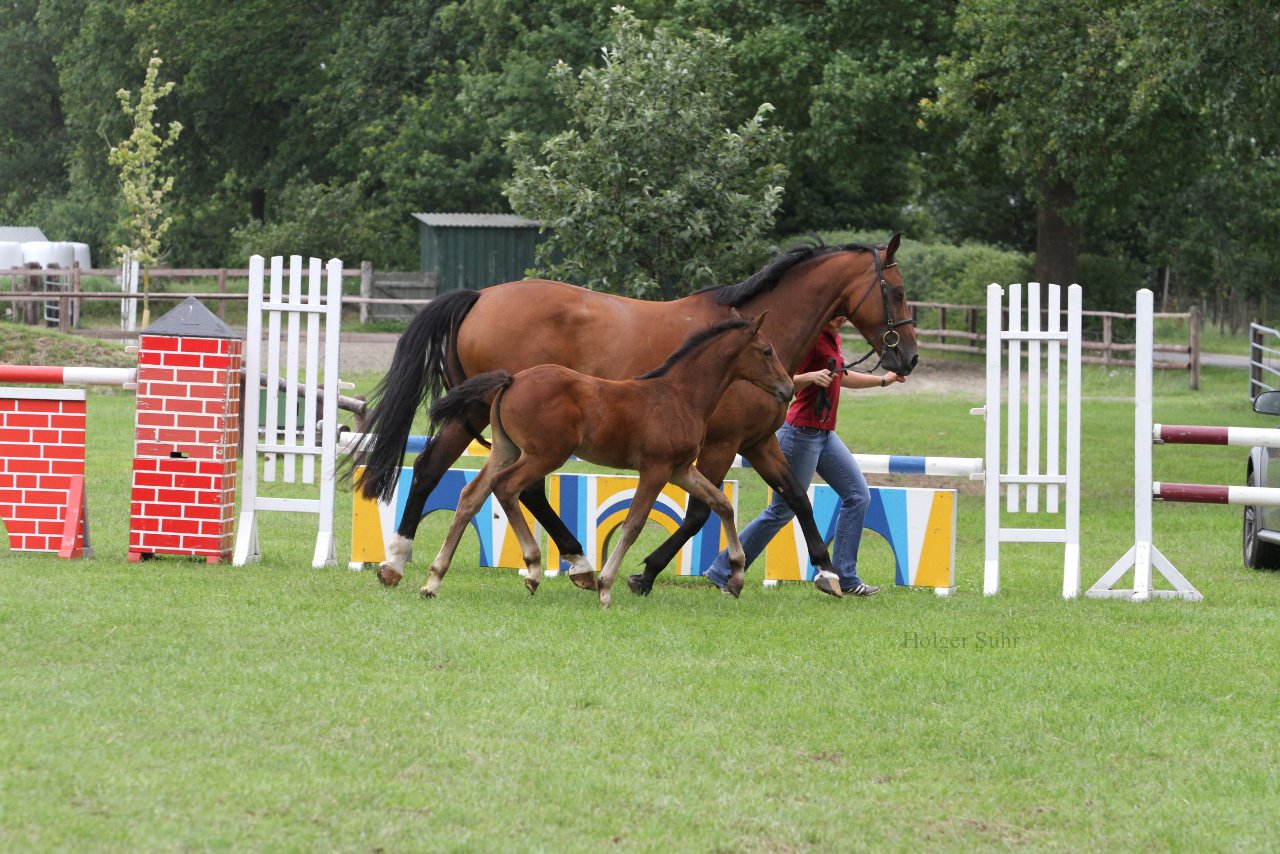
[(1143, 556)]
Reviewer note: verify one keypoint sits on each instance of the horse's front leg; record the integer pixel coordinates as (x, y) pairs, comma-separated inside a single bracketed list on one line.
[(581, 572), (713, 463), (641, 503), (767, 459), (693, 482), (441, 452)]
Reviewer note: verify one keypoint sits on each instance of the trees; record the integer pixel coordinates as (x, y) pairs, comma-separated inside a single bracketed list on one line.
[(648, 193), (1081, 124), (143, 183), (33, 135), (846, 78)]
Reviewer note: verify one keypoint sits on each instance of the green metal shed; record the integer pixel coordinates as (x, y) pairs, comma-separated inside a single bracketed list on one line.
[(476, 250)]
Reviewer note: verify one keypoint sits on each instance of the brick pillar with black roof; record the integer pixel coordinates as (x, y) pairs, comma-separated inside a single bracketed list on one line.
[(187, 437)]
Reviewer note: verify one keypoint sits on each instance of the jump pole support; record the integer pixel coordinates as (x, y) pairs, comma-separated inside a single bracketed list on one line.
[(1144, 554)]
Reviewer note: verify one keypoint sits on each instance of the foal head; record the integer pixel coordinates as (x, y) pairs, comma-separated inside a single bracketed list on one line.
[(758, 363)]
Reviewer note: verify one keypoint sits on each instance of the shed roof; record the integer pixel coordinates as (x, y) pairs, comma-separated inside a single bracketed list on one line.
[(21, 234), (473, 220)]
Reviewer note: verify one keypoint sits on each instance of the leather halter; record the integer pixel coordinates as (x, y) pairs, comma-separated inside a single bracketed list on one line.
[(890, 338)]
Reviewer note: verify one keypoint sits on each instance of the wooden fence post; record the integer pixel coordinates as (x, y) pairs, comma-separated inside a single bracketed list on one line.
[(1193, 320), (366, 288)]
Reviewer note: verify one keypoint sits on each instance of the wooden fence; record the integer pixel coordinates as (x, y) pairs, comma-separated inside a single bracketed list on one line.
[(941, 326), (67, 291), (961, 329)]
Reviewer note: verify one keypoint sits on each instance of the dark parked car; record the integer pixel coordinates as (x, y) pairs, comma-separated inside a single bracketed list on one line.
[(1262, 524)]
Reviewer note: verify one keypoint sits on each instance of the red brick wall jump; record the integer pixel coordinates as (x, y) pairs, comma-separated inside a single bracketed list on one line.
[(41, 450), (186, 446)]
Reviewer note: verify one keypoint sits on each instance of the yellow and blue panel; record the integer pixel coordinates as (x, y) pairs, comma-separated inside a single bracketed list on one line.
[(918, 524), (593, 507)]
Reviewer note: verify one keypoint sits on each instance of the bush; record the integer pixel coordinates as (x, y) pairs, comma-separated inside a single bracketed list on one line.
[(318, 221), (1109, 284), (944, 272)]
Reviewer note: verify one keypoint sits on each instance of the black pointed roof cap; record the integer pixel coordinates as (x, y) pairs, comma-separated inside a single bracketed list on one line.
[(190, 319)]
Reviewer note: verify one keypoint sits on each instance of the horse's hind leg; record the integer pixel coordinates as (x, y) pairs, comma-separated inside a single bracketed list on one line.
[(580, 572), (693, 482), (469, 504), (441, 452), (529, 549), (641, 503)]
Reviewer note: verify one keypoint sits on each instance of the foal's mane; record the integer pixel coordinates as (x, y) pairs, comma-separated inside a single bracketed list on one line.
[(693, 342), (767, 278)]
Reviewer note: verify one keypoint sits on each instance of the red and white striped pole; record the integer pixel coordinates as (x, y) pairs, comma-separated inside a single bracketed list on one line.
[(1240, 437), (46, 375), (1203, 493)]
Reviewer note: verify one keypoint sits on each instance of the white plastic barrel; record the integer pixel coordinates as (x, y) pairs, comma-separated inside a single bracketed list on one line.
[(11, 257), (82, 255), (49, 253)]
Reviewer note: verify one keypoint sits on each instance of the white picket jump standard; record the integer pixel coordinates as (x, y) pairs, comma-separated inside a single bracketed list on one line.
[(1052, 447), (291, 442), (1144, 554)]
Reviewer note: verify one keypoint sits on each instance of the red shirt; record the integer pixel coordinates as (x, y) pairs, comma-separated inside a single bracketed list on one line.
[(803, 409)]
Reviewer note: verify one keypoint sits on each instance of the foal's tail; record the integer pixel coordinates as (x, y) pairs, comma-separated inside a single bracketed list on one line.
[(469, 398), (419, 370)]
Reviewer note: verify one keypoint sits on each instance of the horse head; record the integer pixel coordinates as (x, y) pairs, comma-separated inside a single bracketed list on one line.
[(881, 312)]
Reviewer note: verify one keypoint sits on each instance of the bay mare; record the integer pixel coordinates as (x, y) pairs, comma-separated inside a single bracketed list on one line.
[(654, 424), (518, 325)]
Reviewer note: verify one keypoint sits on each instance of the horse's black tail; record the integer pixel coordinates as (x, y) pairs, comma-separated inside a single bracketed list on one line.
[(418, 371), (464, 398)]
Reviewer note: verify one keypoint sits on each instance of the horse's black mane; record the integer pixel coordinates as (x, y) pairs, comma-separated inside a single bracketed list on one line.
[(767, 278), (693, 342)]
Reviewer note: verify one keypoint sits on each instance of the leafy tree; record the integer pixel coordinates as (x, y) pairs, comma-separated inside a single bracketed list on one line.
[(320, 220), (1221, 237), (846, 78), (33, 136), (143, 182), (1082, 127), (421, 95), (649, 193)]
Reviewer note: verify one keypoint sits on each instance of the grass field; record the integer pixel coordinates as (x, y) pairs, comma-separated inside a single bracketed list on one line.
[(174, 706)]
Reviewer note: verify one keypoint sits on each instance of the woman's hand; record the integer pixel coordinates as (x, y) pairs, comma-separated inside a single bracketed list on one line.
[(822, 379)]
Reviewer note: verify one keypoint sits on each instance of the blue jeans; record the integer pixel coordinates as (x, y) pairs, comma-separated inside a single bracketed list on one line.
[(810, 450)]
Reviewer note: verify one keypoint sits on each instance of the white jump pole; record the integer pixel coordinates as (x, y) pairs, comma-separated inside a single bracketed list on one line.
[(1144, 554)]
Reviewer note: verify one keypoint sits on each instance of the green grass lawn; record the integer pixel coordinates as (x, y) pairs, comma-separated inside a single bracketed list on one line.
[(171, 705)]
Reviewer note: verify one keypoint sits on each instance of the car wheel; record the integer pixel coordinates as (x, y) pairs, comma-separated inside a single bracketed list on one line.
[(1258, 554)]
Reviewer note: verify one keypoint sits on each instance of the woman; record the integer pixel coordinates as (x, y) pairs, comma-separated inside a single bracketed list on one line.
[(810, 444)]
